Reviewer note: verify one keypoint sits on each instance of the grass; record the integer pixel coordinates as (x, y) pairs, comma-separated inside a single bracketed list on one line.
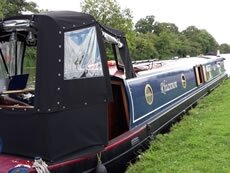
[(199, 143)]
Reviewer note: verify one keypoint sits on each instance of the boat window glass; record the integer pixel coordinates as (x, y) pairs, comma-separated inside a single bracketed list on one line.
[(17, 63), (82, 55), (119, 60), (9, 55), (29, 65), (109, 51), (3, 71)]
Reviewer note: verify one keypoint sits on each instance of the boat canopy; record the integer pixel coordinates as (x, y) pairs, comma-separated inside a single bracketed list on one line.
[(72, 88), (54, 32)]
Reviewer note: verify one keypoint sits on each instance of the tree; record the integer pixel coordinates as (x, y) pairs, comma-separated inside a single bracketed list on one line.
[(167, 45), (207, 41), (144, 47), (224, 48), (201, 39), (1, 10), (109, 13), (145, 25), (190, 31), (165, 27), (16, 7), (188, 48)]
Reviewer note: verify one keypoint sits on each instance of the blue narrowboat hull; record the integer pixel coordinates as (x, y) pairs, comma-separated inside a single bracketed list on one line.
[(127, 146), (168, 89), (141, 134), (140, 110)]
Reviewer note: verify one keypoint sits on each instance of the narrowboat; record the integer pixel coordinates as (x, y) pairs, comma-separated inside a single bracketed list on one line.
[(85, 113)]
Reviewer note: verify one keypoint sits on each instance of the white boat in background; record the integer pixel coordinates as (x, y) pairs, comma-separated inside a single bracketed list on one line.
[(226, 62)]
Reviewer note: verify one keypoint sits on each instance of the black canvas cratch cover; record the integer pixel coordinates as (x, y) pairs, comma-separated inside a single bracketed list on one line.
[(70, 110), (56, 135)]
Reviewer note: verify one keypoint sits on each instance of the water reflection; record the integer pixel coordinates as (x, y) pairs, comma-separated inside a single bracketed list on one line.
[(31, 80)]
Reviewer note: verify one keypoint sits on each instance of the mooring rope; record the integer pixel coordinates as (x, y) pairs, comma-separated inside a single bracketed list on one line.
[(40, 166)]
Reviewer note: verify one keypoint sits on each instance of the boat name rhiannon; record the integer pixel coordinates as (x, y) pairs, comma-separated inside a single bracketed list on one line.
[(165, 87)]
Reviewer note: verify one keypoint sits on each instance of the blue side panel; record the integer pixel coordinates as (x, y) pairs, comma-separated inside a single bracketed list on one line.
[(166, 89)]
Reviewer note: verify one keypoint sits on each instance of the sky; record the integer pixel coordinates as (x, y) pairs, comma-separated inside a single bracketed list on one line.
[(212, 15)]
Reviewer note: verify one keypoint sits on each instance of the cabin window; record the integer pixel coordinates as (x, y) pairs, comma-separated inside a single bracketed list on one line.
[(10, 64), (82, 55), (17, 46), (15, 59), (209, 72), (113, 53)]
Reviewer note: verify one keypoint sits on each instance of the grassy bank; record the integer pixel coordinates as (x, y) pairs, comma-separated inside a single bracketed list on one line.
[(199, 143)]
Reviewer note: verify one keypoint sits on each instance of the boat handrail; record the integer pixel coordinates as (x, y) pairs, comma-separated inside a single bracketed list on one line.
[(16, 106), (144, 61), (18, 91)]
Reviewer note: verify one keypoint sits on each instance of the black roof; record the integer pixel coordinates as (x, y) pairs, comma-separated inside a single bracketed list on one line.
[(70, 19)]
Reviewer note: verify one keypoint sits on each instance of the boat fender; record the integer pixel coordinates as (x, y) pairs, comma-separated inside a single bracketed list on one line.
[(100, 167), (19, 169), (40, 166)]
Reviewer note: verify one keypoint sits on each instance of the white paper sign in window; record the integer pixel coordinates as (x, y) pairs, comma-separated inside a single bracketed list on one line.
[(82, 55)]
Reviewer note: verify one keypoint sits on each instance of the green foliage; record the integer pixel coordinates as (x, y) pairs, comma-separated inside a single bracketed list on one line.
[(30, 57), (145, 25), (208, 43), (1, 9), (165, 27), (144, 47), (167, 45), (224, 48), (109, 13), (201, 39), (186, 48), (16, 7), (169, 42), (149, 40), (189, 47), (190, 31), (198, 143)]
